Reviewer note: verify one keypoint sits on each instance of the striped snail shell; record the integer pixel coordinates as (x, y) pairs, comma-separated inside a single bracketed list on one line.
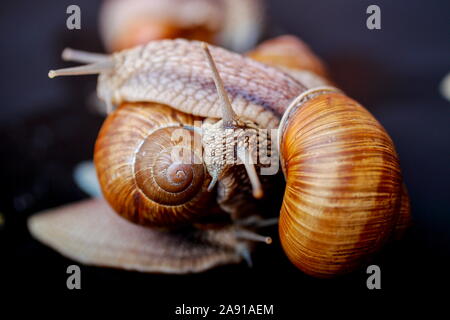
[(343, 193), (343, 196), (149, 168)]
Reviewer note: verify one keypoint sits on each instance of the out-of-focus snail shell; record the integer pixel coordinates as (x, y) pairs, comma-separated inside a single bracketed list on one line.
[(289, 52), (150, 169), (343, 184), (230, 23)]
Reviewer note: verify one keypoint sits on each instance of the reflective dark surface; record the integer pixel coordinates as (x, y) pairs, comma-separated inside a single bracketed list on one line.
[(47, 128)]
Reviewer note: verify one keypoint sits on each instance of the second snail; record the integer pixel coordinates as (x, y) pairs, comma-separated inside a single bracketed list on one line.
[(343, 200)]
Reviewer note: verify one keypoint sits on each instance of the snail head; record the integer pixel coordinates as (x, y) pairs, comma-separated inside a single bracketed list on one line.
[(229, 141)]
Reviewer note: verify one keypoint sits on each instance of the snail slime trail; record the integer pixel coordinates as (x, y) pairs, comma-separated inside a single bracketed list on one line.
[(192, 310)]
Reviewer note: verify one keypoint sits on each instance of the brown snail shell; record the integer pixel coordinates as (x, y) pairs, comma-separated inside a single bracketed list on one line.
[(289, 52), (127, 23), (404, 219), (294, 57), (149, 168), (343, 185)]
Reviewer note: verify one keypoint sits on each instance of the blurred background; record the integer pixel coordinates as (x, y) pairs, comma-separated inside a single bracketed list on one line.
[(47, 127)]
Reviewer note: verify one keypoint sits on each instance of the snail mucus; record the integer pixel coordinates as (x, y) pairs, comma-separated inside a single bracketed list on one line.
[(344, 196)]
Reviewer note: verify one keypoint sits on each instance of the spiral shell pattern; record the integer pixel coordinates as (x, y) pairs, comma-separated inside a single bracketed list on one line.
[(149, 167)]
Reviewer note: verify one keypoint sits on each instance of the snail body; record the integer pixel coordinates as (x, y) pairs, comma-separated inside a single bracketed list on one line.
[(174, 73), (90, 232), (344, 197)]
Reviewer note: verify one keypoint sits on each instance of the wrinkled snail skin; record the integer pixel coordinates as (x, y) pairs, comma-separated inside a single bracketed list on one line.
[(149, 168), (174, 73), (343, 185)]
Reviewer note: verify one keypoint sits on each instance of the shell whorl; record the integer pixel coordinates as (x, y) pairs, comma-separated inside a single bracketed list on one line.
[(149, 167), (167, 172), (343, 185), (175, 73)]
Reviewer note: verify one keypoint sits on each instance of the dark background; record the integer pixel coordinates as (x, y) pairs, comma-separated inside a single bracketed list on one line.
[(46, 128)]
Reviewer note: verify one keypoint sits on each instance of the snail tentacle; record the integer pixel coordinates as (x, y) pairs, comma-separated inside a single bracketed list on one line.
[(244, 234), (94, 68), (229, 121), (173, 72), (245, 157), (70, 54), (228, 115)]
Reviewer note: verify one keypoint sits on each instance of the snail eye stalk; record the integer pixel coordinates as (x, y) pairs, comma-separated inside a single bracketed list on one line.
[(94, 68), (228, 115), (229, 120), (96, 63)]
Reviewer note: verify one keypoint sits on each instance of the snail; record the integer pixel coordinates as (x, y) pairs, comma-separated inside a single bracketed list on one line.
[(344, 197), (233, 24), (293, 56), (144, 183), (150, 173)]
